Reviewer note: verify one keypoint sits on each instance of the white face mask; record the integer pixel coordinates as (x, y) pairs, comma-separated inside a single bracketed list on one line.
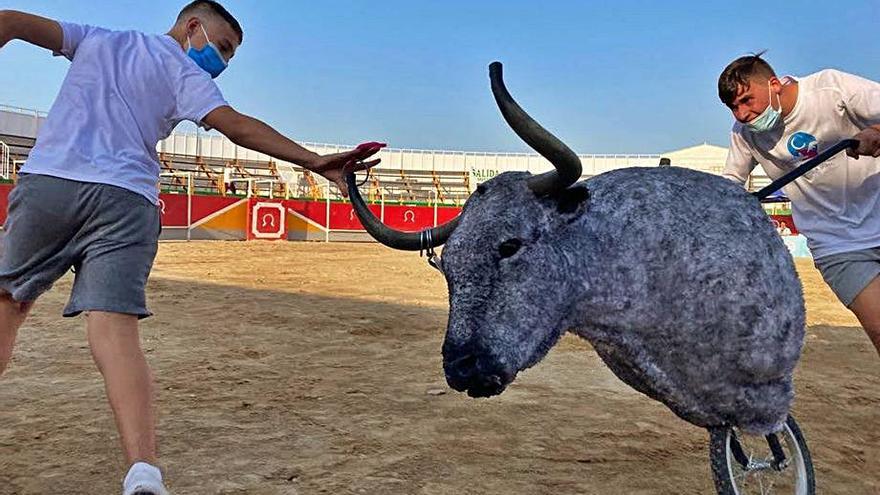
[(770, 117)]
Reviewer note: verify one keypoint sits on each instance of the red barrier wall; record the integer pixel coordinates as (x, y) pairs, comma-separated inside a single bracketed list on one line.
[(5, 189), (402, 217), (174, 207), (342, 217)]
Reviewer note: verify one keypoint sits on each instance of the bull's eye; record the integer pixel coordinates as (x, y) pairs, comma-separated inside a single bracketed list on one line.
[(509, 247)]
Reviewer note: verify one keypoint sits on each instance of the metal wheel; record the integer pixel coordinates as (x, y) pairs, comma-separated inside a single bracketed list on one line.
[(753, 465)]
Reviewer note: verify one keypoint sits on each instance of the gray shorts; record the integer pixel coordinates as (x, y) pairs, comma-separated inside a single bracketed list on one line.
[(108, 235), (849, 273)]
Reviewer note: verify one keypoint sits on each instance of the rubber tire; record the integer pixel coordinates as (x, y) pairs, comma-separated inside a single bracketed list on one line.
[(718, 458)]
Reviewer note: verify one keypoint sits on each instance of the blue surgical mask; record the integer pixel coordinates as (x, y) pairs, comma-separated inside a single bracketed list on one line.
[(208, 58), (769, 118)]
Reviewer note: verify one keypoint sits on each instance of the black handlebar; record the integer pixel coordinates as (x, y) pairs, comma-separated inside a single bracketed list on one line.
[(804, 168)]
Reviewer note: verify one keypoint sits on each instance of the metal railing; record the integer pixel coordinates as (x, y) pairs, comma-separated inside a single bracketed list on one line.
[(16, 166), (252, 191), (6, 170)]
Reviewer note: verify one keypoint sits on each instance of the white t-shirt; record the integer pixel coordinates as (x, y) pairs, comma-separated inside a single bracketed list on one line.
[(125, 91), (837, 204)]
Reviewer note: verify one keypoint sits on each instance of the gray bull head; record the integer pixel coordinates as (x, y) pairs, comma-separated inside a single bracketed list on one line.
[(676, 277), (489, 281)]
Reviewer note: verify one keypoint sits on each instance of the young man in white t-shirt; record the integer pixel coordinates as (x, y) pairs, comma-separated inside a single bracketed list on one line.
[(782, 122), (87, 194)]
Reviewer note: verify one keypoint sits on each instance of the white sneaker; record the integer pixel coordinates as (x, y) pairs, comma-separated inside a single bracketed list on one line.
[(143, 479)]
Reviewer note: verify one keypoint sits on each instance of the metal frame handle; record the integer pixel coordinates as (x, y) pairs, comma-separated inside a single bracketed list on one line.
[(805, 167)]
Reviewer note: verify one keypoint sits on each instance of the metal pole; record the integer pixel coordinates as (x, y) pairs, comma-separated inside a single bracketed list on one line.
[(327, 224), (4, 152), (435, 206), (189, 204), (805, 167)]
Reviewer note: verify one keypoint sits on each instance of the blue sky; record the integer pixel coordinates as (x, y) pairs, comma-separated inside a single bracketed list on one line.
[(607, 77)]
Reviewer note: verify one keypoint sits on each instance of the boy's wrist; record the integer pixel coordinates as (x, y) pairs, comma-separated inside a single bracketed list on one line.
[(310, 161)]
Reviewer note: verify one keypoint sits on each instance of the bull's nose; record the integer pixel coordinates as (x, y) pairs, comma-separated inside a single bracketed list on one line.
[(460, 372), (479, 375), (486, 386)]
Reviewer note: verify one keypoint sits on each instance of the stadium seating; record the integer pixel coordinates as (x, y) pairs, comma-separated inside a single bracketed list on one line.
[(264, 178), (446, 187), (404, 176), (19, 147)]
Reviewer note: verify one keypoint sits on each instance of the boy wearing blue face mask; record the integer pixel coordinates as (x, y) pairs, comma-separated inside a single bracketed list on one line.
[(782, 122), (87, 194)]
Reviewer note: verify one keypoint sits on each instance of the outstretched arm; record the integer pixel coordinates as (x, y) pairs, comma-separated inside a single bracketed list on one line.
[(34, 29), (254, 134)]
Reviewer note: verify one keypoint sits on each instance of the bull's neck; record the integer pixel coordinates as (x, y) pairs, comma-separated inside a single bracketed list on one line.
[(579, 273)]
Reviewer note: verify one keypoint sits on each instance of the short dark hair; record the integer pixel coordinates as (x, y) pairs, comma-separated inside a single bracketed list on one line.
[(213, 7), (739, 73)]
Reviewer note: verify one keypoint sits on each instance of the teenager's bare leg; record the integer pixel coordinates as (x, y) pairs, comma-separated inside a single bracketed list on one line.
[(115, 343), (12, 315), (866, 307)]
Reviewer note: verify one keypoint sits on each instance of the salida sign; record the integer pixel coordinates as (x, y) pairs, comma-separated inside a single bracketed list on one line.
[(478, 176)]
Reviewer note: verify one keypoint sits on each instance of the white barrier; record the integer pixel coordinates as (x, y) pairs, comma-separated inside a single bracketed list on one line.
[(5, 162), (797, 246)]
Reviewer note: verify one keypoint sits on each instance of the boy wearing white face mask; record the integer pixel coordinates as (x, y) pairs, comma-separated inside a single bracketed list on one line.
[(782, 122), (87, 195)]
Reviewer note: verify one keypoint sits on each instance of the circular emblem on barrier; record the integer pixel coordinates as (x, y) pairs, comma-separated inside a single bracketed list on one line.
[(267, 221)]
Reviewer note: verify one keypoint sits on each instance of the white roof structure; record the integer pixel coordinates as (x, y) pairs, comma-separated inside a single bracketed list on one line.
[(481, 165), (704, 157)]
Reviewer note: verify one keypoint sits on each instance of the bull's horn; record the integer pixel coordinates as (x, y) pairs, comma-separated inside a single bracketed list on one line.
[(567, 163), (406, 241)]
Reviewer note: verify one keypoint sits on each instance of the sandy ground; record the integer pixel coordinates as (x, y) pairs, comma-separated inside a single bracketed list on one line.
[(305, 368)]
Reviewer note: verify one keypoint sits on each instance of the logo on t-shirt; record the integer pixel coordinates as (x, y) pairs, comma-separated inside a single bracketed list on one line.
[(803, 145)]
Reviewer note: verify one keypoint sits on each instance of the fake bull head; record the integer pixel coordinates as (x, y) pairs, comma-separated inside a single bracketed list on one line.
[(505, 269)]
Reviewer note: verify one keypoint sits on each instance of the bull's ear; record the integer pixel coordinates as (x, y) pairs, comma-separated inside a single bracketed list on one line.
[(571, 200)]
